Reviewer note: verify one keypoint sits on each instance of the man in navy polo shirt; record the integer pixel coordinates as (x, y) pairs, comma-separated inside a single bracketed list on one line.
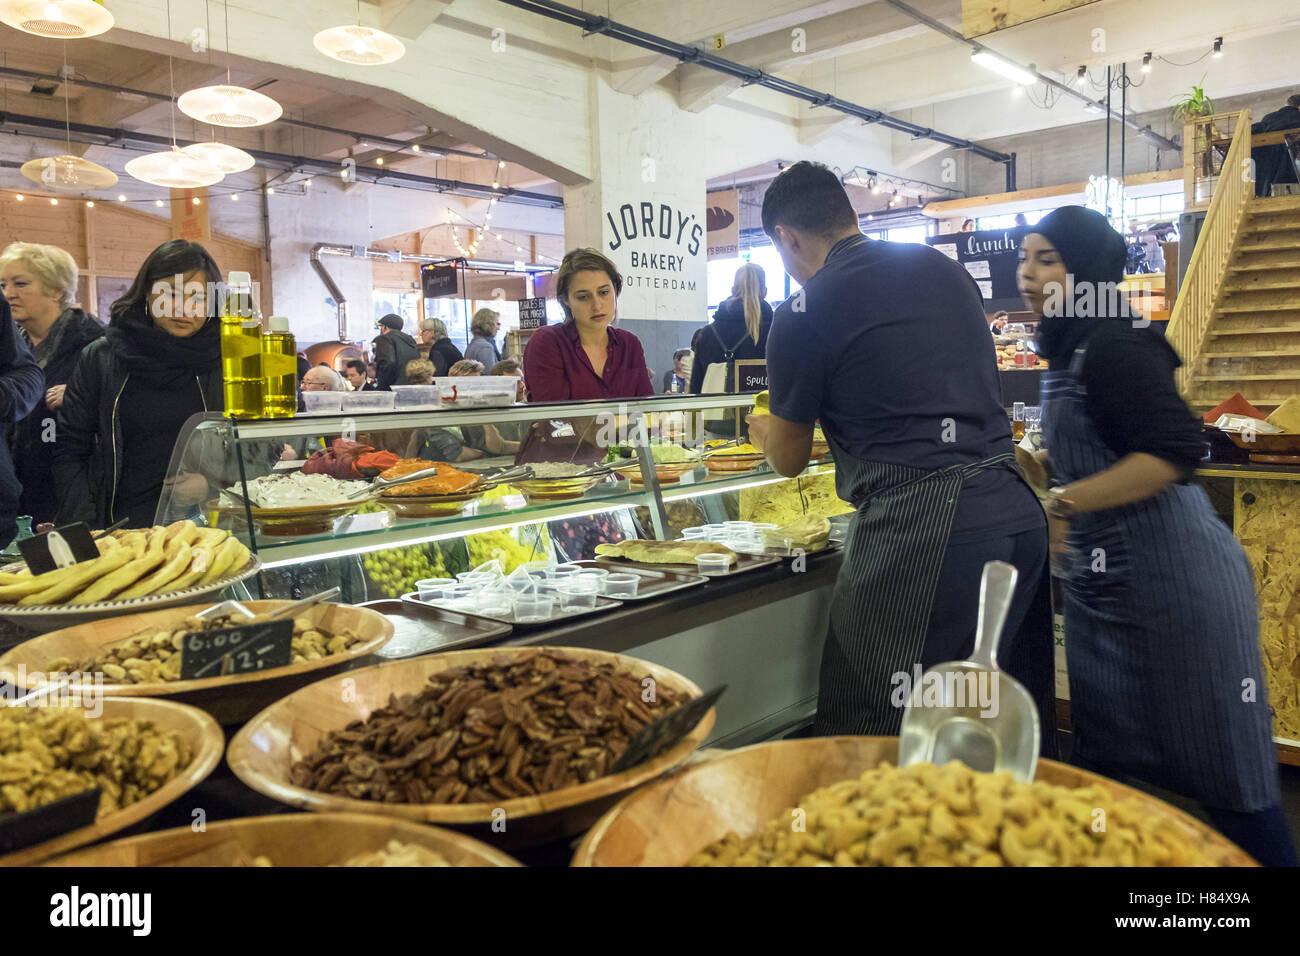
[(887, 346)]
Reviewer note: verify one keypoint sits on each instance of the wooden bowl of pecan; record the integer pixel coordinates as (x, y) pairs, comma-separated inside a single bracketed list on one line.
[(512, 744)]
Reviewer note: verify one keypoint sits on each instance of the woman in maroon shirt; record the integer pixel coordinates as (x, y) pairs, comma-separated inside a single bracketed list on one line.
[(585, 358), (582, 358)]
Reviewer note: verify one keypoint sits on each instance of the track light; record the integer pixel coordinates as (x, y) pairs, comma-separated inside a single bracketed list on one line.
[(1146, 62), (234, 197), (1011, 71), (1082, 76), (1218, 48)]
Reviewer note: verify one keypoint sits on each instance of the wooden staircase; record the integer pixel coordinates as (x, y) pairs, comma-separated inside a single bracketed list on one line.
[(1252, 343)]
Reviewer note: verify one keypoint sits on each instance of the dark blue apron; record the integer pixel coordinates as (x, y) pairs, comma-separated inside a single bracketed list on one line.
[(1161, 631)]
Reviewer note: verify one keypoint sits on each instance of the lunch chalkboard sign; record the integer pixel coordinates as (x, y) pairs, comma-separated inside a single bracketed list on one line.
[(991, 257), (237, 650)]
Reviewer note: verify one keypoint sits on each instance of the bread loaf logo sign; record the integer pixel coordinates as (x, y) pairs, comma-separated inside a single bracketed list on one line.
[(656, 245), (723, 220)]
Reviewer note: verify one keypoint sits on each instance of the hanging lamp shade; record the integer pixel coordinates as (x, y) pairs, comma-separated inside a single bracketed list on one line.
[(225, 105), (363, 46), (173, 169), (60, 19), (68, 172), (222, 156)]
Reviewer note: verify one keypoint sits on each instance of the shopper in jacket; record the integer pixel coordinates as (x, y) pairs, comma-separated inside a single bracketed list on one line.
[(1161, 622), (739, 328), (133, 390), (393, 349), (20, 390), (355, 372), (483, 347), (1276, 164), (40, 283), (442, 350)]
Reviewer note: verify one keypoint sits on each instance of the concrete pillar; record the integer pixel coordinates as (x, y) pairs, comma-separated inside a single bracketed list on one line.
[(645, 211)]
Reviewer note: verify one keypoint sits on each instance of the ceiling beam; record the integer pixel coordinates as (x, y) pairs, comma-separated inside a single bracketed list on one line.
[(410, 18), (636, 74)]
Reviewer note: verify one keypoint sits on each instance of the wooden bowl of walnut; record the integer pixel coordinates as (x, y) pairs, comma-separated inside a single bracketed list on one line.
[(262, 754), (201, 736), (669, 821), (232, 699), (286, 839)]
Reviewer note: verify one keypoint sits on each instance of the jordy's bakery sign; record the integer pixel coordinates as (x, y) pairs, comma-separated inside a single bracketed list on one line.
[(656, 245)]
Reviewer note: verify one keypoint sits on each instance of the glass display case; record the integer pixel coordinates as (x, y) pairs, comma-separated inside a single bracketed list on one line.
[(597, 471)]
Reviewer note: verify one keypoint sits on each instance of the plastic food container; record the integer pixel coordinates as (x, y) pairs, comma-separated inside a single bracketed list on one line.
[(477, 391), (368, 401), (322, 403), (577, 594), (621, 585), (693, 534), (412, 397), (496, 601), (432, 589), (477, 579), (713, 563), (530, 608), (593, 574), (562, 572)]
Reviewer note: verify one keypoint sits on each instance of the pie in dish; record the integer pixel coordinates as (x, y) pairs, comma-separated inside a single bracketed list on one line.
[(663, 552)]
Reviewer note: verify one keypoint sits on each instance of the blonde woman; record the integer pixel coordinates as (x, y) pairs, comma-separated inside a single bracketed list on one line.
[(483, 348), (40, 283), (739, 327), (419, 372)]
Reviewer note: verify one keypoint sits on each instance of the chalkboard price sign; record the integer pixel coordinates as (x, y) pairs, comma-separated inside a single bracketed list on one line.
[(532, 313), (237, 650), (439, 281)]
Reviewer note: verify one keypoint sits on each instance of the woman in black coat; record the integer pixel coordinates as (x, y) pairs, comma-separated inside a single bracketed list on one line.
[(134, 389), (739, 327)]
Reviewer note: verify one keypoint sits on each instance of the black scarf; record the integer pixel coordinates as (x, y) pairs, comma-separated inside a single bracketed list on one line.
[(159, 358), (1095, 254)]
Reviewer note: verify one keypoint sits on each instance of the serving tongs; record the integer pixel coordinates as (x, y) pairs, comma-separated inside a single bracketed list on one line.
[(503, 477), (381, 484), (238, 610)]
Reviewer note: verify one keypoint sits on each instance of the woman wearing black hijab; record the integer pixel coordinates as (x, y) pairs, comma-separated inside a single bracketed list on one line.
[(133, 390), (1162, 632)]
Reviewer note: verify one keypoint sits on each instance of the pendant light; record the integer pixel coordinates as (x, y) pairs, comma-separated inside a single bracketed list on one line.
[(68, 171), (361, 46), (228, 105), (222, 156), (59, 19)]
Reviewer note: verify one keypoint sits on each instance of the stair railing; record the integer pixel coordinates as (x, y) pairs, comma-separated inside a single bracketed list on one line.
[(1189, 324)]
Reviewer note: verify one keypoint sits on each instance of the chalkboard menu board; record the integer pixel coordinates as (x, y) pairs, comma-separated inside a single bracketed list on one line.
[(532, 313), (237, 650), (991, 256), (439, 281)]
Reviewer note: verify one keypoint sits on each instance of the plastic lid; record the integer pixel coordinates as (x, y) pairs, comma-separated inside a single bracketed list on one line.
[(240, 279), (278, 323)]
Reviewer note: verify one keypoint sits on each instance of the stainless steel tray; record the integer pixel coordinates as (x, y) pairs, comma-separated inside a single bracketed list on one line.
[(654, 583), (744, 562), (423, 628), (558, 614)]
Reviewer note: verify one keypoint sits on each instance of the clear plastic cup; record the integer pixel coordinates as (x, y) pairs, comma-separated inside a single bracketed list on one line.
[(709, 529), (765, 526), (713, 563), (431, 589), (562, 572), (576, 594), (461, 597), (593, 574), (497, 602), (532, 608), (476, 578), (693, 534), (621, 585)]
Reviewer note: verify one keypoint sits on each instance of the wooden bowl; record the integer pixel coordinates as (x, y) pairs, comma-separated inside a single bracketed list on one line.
[(198, 730), (429, 506), (264, 750), (48, 617), (667, 473), (288, 839), (231, 700), (669, 821)]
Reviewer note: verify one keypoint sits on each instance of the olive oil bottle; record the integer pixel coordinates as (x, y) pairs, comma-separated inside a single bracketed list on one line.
[(280, 366), (241, 349)]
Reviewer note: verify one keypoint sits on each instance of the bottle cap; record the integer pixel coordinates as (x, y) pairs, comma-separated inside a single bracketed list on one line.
[(240, 279), (278, 323)]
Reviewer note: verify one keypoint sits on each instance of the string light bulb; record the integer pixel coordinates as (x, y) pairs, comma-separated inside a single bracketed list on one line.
[(20, 197), (158, 203), (54, 202), (121, 197), (90, 204)]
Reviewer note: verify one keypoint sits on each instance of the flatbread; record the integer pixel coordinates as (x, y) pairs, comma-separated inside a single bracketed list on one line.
[(663, 552)]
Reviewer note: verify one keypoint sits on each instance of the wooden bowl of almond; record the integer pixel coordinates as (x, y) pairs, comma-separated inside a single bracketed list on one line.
[(513, 745)]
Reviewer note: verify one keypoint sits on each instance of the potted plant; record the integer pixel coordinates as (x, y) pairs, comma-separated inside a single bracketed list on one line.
[(1187, 108)]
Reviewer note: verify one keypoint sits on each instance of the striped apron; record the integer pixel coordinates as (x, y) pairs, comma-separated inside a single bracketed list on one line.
[(880, 609), (1162, 632)]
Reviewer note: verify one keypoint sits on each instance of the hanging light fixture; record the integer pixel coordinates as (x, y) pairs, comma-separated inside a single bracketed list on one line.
[(222, 156), (226, 104), (229, 105), (60, 19), (174, 169), (68, 171), (362, 46)]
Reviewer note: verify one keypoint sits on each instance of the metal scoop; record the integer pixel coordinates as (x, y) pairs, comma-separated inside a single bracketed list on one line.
[(970, 710)]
